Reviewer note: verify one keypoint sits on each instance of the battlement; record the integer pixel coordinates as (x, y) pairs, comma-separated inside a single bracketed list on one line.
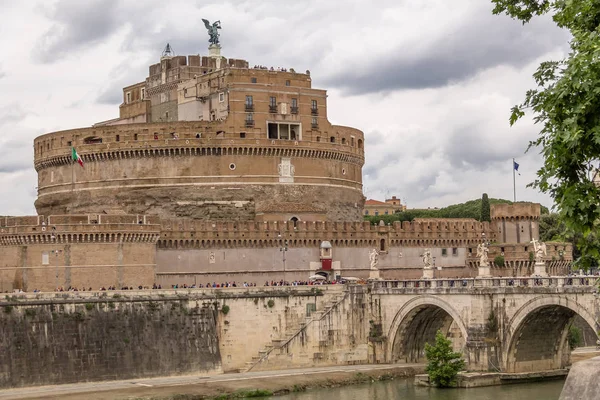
[(182, 134), (521, 210)]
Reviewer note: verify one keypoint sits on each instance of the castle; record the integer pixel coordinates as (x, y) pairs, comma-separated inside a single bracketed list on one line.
[(217, 171)]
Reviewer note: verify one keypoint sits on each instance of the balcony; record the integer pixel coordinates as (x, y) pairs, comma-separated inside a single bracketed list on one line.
[(249, 107), (273, 109), (314, 111), (249, 123), (294, 110), (314, 126)]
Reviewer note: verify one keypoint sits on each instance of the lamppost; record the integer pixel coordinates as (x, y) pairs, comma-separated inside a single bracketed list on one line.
[(283, 250)]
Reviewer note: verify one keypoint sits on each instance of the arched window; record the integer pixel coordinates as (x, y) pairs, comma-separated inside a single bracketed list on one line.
[(295, 221), (382, 245)]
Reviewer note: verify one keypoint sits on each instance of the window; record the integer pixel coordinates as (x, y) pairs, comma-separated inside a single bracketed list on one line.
[(249, 103), (135, 136), (221, 97), (386, 213), (69, 143), (376, 213), (253, 80), (127, 97), (118, 138), (455, 251), (287, 83), (318, 138), (242, 135), (444, 252), (315, 123), (283, 131), (352, 141), (272, 104), (314, 110), (502, 249), (249, 120), (294, 106), (332, 139), (343, 140), (142, 93), (366, 212)]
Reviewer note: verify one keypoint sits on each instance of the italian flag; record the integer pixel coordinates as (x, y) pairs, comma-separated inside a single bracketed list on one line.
[(76, 157)]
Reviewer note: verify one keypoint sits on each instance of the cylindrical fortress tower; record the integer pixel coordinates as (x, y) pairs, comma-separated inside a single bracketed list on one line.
[(186, 169)]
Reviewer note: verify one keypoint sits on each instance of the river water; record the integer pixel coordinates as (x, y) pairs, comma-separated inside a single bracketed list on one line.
[(404, 389)]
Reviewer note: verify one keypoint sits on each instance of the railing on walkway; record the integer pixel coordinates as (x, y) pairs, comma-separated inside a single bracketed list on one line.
[(526, 281)]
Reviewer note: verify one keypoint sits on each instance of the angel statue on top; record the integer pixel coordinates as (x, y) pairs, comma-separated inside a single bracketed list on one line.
[(213, 31)]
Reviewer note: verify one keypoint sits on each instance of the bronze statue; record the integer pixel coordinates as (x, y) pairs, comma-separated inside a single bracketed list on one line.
[(213, 31)]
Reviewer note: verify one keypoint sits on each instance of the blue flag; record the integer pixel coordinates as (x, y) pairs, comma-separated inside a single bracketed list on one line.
[(516, 166)]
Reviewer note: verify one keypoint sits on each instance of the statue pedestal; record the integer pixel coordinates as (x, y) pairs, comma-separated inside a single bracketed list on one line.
[(427, 273), (374, 275), (484, 271), (214, 50), (539, 269)]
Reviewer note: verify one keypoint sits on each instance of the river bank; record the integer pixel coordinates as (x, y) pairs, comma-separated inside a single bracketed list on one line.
[(227, 386)]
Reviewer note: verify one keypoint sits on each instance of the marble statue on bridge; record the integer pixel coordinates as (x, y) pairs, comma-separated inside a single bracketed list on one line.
[(540, 250), (482, 253), (374, 258)]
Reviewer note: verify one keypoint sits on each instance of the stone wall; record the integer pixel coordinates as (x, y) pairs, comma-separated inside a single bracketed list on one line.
[(105, 338)]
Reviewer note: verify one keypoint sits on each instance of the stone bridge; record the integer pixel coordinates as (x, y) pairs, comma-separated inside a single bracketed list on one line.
[(500, 324)]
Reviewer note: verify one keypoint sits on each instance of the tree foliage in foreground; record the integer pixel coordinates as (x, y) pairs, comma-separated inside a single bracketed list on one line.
[(443, 364), (566, 104)]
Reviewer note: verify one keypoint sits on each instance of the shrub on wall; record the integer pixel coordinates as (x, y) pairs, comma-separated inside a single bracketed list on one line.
[(271, 303), (225, 309)]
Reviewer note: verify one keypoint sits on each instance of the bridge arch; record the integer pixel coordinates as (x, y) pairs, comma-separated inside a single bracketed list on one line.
[(536, 335), (417, 322)]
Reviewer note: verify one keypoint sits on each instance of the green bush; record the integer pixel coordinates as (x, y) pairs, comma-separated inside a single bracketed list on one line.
[(271, 303), (89, 306), (499, 261), (8, 309), (574, 337), (443, 364), (30, 312), (225, 309)]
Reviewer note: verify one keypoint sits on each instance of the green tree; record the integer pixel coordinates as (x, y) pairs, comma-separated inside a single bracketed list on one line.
[(443, 364), (485, 208), (574, 337), (566, 104)]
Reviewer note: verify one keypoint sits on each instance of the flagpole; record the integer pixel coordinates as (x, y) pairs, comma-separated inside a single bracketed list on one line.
[(72, 175), (514, 183)]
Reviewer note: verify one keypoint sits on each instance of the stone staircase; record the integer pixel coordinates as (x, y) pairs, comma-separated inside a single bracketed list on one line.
[(293, 331)]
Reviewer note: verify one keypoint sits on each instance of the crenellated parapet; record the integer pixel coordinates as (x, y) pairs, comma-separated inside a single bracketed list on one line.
[(73, 229), (192, 233)]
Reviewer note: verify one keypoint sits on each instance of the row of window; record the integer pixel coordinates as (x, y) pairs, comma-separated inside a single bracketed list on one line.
[(273, 105), (454, 252), (376, 212), (255, 80), (250, 121)]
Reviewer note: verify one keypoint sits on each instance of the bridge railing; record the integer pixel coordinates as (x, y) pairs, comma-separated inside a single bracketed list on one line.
[(525, 281)]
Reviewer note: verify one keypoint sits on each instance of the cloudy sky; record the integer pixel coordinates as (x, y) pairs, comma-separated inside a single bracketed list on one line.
[(430, 82)]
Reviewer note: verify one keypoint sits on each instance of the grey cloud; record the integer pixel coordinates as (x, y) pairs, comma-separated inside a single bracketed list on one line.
[(483, 42), (11, 114), (76, 24)]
